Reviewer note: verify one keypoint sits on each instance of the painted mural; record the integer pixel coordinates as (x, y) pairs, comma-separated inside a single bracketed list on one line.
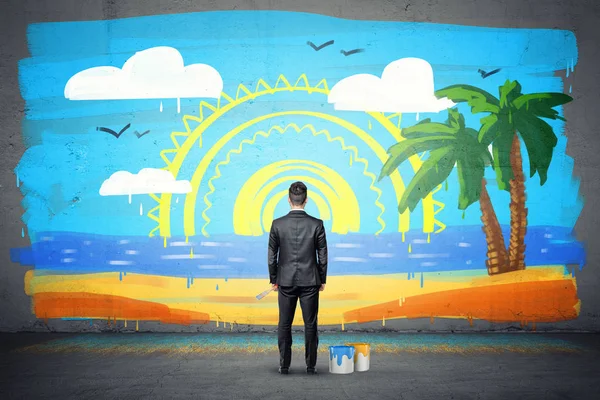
[(159, 150)]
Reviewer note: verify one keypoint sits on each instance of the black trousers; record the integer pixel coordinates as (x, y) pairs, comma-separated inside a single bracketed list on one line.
[(309, 302)]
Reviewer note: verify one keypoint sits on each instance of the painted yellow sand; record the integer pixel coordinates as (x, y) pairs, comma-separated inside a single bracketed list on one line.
[(235, 301)]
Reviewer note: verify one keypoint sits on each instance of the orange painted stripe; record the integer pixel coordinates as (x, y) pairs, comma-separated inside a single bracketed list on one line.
[(543, 301), (89, 305)]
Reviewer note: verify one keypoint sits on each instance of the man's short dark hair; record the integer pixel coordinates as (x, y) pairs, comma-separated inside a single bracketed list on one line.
[(298, 193)]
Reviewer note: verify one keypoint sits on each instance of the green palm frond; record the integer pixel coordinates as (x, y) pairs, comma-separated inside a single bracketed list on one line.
[(487, 158), (401, 151), (470, 171), (501, 151), (510, 91), (427, 128), (540, 141), (542, 104), (490, 129), (478, 99), (455, 119), (432, 173)]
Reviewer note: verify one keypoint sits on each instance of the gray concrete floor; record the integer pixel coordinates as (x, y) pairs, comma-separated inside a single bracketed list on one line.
[(410, 375)]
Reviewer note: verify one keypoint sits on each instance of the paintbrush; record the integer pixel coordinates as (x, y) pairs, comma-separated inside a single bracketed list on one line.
[(263, 294)]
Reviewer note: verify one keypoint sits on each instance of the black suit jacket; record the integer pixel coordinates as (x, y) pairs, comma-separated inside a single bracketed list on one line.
[(297, 250)]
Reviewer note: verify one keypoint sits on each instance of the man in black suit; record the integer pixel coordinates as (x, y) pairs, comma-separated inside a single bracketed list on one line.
[(298, 270)]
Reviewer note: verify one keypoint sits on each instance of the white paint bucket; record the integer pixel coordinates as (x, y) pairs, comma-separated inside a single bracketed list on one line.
[(341, 359), (362, 356)]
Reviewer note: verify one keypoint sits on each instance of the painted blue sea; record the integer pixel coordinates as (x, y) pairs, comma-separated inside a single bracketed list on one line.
[(229, 256)]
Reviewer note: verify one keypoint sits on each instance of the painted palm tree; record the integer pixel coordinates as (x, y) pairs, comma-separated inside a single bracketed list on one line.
[(511, 117), (450, 144)]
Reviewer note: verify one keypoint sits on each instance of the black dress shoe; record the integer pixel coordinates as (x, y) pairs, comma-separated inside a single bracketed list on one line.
[(311, 371), (283, 371)]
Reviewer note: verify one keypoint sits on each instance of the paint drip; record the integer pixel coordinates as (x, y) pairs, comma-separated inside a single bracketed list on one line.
[(141, 209), (361, 356), (338, 353), (161, 106), (343, 357)]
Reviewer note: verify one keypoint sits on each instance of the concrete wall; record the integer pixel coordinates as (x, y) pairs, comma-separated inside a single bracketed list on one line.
[(579, 17)]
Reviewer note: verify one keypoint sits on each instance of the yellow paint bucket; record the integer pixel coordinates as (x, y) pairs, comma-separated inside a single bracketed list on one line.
[(362, 356)]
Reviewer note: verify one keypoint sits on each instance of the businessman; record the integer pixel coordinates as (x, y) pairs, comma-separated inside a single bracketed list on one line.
[(298, 270)]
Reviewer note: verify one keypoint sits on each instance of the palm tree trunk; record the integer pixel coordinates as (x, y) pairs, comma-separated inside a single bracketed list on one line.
[(497, 259), (518, 211)]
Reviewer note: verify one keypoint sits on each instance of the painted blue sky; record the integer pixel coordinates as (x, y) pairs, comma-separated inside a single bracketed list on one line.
[(68, 159)]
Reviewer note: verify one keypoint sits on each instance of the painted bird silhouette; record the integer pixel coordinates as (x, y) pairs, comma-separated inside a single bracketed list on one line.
[(139, 135), (317, 48), (350, 52), (110, 131), (486, 74)]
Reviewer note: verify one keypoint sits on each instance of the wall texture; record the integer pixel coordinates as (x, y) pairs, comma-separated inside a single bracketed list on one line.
[(225, 110)]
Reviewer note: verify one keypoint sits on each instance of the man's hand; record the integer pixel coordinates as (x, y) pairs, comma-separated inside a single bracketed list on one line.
[(275, 287), (322, 287)]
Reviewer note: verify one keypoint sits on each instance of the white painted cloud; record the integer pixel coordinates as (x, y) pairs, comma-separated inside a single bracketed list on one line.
[(155, 73), (406, 86), (148, 180)]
